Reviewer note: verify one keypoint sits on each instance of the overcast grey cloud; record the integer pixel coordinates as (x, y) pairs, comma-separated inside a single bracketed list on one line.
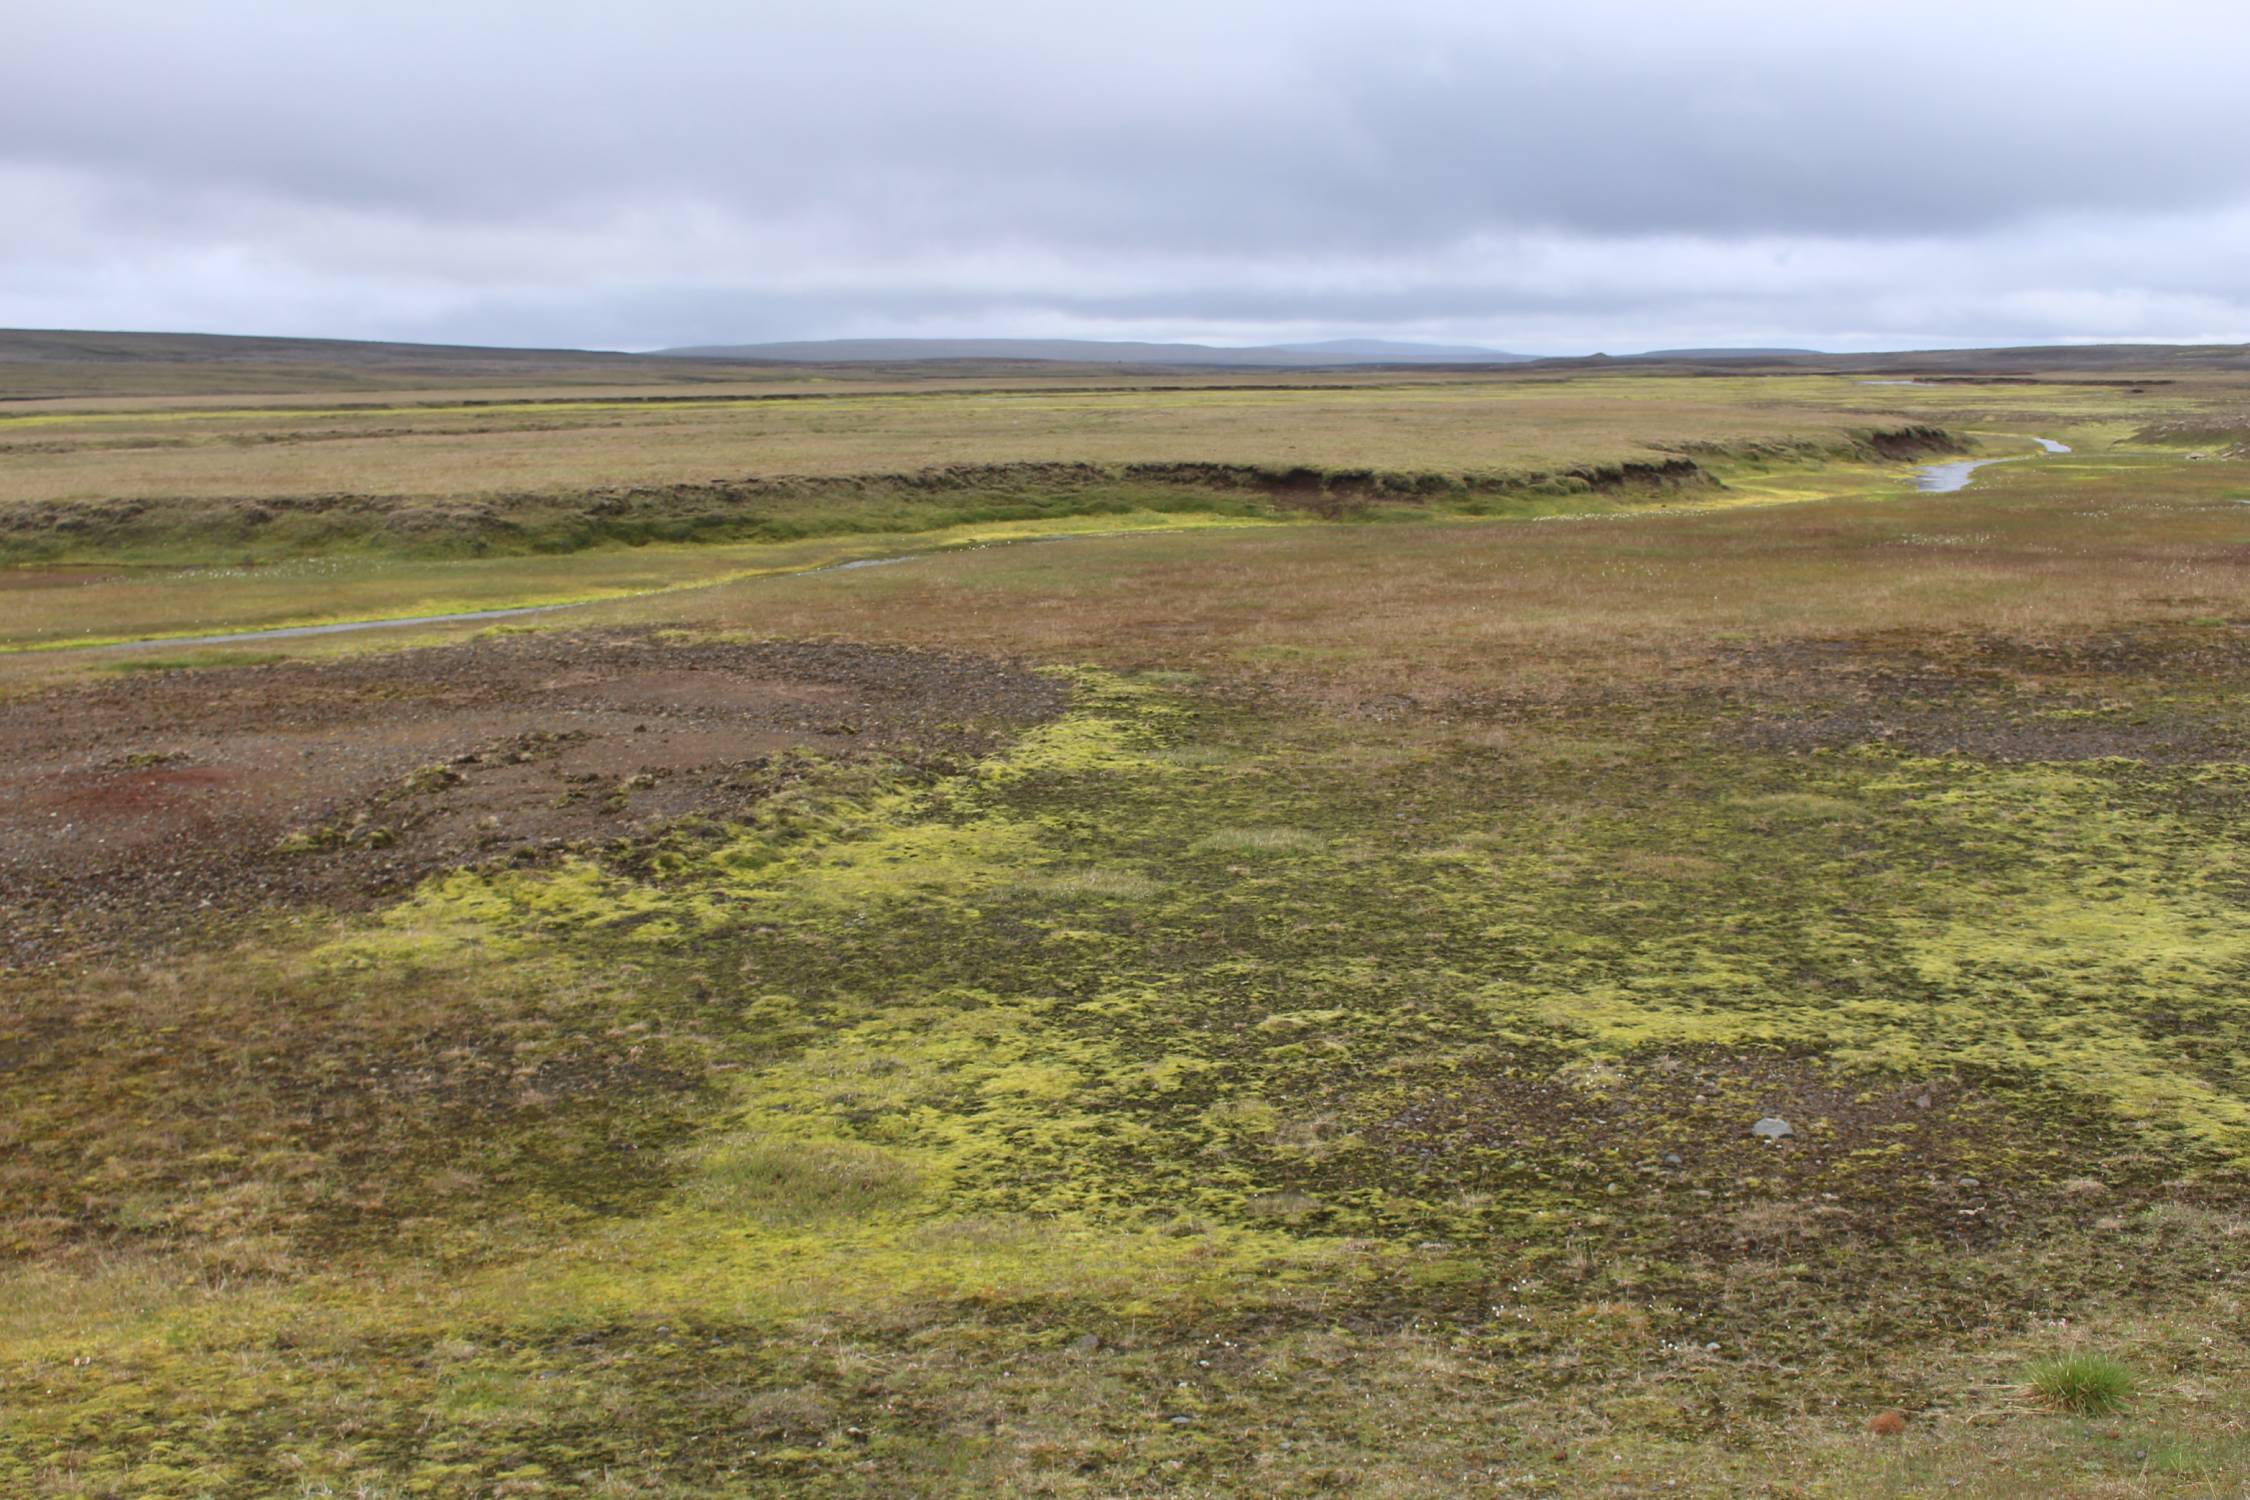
[(1555, 178)]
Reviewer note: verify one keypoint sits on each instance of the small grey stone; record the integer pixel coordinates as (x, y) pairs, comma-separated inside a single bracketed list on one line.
[(1671, 1158), (1085, 1343), (1772, 1128), (1182, 1421), (1965, 1181)]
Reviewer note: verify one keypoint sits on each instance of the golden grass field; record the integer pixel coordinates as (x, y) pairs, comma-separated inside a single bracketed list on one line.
[(1243, 997), (435, 448)]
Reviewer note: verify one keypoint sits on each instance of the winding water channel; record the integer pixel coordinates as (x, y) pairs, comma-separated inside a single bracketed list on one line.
[(1943, 479)]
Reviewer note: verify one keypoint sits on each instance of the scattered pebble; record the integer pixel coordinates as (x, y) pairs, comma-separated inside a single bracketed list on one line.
[(1772, 1128)]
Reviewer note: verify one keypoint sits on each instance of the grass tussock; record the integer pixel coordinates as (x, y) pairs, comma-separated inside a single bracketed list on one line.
[(2082, 1383), (1098, 884), (783, 1183), (1260, 841)]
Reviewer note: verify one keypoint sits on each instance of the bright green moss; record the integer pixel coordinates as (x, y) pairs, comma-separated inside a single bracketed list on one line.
[(1077, 1037)]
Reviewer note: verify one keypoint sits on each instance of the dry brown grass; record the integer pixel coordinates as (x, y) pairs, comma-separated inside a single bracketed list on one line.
[(481, 451)]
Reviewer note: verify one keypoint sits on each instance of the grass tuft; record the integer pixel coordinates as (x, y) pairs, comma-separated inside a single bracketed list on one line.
[(1096, 883), (2089, 1385), (790, 1183), (1260, 841)]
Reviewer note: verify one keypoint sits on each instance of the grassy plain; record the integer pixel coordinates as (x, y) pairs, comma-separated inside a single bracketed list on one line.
[(1320, 1058), (444, 450)]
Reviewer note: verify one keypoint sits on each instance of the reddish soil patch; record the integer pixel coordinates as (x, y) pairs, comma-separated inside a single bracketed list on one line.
[(134, 808)]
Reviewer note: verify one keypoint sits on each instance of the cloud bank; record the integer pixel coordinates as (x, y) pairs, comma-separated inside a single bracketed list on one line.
[(1606, 175)]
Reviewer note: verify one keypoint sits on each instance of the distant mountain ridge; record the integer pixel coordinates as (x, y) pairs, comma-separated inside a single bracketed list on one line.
[(1103, 352)]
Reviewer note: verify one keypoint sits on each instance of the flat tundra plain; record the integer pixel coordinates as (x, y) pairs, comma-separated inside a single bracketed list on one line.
[(1245, 960)]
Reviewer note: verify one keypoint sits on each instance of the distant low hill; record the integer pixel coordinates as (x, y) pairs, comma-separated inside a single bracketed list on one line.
[(1104, 352), (73, 346), (2019, 363), (1727, 353), (44, 364)]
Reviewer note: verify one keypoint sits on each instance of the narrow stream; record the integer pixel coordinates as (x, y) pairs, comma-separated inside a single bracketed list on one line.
[(1943, 479)]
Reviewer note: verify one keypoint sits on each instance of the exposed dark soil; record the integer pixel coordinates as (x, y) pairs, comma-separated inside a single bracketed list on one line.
[(2006, 700), (135, 807), (1954, 729), (1676, 1132)]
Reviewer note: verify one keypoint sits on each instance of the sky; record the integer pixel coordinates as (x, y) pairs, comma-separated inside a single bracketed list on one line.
[(1543, 177)]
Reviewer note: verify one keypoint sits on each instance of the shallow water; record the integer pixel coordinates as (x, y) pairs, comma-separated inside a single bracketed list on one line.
[(1943, 479)]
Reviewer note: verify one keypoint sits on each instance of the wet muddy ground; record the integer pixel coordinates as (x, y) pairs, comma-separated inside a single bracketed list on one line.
[(135, 807)]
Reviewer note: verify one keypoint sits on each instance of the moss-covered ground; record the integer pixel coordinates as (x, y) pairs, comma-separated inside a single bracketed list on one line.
[(1044, 1125)]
